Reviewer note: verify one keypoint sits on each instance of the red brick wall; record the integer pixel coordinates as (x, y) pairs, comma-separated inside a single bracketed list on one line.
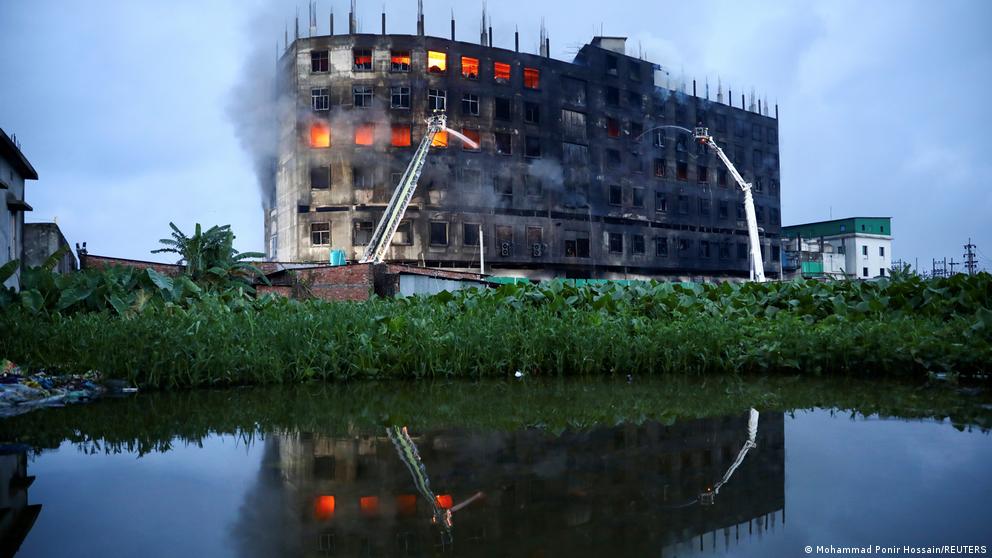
[(346, 282), (90, 261)]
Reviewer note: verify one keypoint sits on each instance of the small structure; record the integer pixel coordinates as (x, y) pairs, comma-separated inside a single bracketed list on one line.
[(14, 171), (855, 247), (41, 240)]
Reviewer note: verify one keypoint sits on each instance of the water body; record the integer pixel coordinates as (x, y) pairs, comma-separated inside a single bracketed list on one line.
[(724, 467)]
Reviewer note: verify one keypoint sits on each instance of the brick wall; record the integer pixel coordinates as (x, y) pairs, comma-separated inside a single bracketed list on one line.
[(92, 261)]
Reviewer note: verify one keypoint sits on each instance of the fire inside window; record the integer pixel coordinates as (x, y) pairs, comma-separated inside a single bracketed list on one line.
[(319, 61), (320, 135), (320, 234), (369, 505), (472, 134), (440, 139), (399, 61), (437, 62), (364, 133), (323, 508), (362, 59), (532, 78), (470, 67), (400, 136), (436, 99), (501, 72), (319, 99), (612, 127)]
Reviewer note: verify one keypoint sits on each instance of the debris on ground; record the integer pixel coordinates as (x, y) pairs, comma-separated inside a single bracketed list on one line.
[(21, 392)]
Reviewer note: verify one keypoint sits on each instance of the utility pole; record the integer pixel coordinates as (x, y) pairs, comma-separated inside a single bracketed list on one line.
[(952, 264), (969, 255)]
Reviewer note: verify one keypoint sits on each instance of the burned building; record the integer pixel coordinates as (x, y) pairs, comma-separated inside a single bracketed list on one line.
[(571, 177)]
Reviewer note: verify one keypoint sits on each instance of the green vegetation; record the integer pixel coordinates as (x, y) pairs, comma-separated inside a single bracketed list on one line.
[(181, 337)]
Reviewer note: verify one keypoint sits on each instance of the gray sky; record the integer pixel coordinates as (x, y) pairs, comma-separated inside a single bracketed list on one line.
[(122, 106)]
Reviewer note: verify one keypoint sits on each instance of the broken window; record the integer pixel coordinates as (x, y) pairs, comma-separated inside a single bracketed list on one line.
[(637, 244), (437, 62), (724, 210), (365, 134), (404, 234), (575, 154), (682, 170), (399, 97), (636, 163), (361, 233), (532, 113), (470, 234), (660, 202), (721, 177), (438, 233), (362, 95), (573, 124), (470, 67), (503, 187), (440, 139), (362, 59), (683, 205), (704, 206), (320, 234), (612, 96), (504, 240), (320, 135), (436, 99), (533, 186), (682, 245), (320, 178), (361, 177), (661, 247), (399, 61), (659, 167), (615, 242), (504, 143), (532, 78), (319, 61), (612, 65), (470, 104), (702, 174), (535, 241), (502, 109), (400, 136), (319, 99), (616, 195), (573, 91), (612, 127), (501, 72), (612, 159), (532, 146), (637, 200), (473, 135)]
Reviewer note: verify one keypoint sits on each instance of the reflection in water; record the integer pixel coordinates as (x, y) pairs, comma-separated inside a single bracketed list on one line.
[(606, 490), (16, 515)]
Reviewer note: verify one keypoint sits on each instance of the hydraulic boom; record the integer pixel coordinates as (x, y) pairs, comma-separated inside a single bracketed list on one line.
[(757, 264), (390, 221)]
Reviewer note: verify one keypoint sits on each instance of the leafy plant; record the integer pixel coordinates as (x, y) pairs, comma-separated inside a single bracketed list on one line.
[(209, 256)]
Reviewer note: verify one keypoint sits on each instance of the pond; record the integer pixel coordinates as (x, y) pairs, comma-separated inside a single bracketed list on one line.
[(682, 467)]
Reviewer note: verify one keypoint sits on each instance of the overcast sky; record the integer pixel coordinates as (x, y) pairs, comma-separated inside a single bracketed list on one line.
[(122, 106)]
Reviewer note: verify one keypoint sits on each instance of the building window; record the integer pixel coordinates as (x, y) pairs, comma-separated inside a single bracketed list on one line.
[(535, 241), (440, 139), (881, 251), (661, 247), (400, 136), (320, 135), (704, 248), (319, 61), (660, 202), (399, 61), (881, 272), (864, 250), (723, 210), (438, 233), (612, 65), (399, 97), (362, 95), (659, 167), (532, 113), (616, 195), (533, 186), (501, 72), (404, 234), (683, 205), (362, 59), (741, 251), (721, 177), (319, 99), (532, 78), (638, 197), (720, 121), (756, 132), (361, 177), (320, 178), (503, 187), (361, 233), (681, 143), (573, 91), (637, 245), (573, 124), (612, 159), (473, 135), (775, 217), (725, 250), (577, 248), (504, 143), (636, 128), (682, 245), (758, 159), (702, 174), (634, 100), (504, 240), (575, 154), (616, 243), (864, 271), (320, 234), (470, 104), (470, 234), (436, 99), (760, 213), (704, 206), (437, 62), (612, 127), (502, 109), (682, 171), (470, 67), (365, 134), (740, 210), (612, 96)]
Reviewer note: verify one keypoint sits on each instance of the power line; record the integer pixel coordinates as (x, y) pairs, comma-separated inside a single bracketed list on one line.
[(969, 255)]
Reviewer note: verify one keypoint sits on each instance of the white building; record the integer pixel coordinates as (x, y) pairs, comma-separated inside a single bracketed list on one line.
[(856, 247), (14, 170)]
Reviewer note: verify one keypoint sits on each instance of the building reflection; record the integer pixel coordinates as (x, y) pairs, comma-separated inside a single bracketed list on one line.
[(630, 490), (16, 515)]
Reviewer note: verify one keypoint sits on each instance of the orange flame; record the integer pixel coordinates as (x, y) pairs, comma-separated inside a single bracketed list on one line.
[(320, 135), (440, 139), (364, 134), (501, 71), (444, 501), (369, 505), (437, 62), (323, 507), (532, 78), (470, 67), (406, 504), (400, 136)]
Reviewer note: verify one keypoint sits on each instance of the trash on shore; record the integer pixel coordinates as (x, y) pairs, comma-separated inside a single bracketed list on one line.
[(21, 392)]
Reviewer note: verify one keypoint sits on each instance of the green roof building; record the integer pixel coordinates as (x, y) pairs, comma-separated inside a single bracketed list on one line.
[(855, 247)]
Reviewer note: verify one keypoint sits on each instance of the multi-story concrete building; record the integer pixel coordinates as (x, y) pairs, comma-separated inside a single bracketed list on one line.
[(14, 170), (856, 247), (571, 178)]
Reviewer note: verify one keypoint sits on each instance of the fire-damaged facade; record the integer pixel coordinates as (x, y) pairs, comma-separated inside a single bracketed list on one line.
[(571, 177)]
